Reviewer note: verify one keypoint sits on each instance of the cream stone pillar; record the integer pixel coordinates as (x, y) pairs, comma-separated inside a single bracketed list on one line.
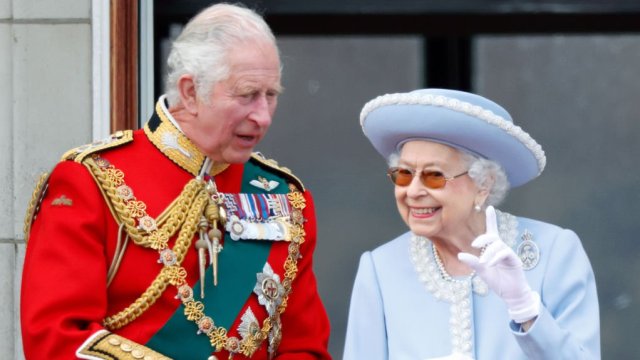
[(45, 109)]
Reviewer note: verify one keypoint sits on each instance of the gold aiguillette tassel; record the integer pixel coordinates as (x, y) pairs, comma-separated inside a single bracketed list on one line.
[(216, 248), (215, 213), (202, 246)]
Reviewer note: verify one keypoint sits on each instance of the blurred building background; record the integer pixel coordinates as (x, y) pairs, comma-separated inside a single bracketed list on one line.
[(566, 70)]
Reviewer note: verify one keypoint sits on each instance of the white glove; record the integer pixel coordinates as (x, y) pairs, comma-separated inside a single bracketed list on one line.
[(454, 356), (501, 269)]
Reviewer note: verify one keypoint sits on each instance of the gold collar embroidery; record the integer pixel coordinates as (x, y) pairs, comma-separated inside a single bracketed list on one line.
[(176, 146)]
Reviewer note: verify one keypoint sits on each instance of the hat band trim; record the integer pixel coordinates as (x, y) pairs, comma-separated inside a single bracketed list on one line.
[(443, 142)]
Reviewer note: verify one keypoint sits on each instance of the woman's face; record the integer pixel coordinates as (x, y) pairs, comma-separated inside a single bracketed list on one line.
[(435, 213)]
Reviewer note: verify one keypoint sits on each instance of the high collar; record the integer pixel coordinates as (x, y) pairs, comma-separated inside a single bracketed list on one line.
[(165, 133)]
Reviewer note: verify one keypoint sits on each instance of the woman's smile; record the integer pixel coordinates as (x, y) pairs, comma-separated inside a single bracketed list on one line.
[(423, 212)]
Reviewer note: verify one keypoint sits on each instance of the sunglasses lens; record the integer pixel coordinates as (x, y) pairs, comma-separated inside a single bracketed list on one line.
[(400, 177), (433, 179), (430, 179)]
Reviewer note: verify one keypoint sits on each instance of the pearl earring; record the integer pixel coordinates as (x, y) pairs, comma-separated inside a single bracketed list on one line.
[(477, 208)]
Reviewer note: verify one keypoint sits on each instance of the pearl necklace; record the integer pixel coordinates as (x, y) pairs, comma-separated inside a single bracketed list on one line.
[(456, 291), (443, 271)]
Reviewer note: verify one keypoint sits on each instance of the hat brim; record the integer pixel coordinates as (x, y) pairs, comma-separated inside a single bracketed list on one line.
[(387, 127)]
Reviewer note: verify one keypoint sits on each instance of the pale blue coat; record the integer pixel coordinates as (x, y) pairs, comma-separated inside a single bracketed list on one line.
[(393, 316)]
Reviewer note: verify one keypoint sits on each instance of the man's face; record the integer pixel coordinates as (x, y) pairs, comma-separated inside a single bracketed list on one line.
[(239, 109)]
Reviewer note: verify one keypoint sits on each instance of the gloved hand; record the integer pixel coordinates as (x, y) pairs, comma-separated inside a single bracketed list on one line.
[(454, 356), (501, 269)]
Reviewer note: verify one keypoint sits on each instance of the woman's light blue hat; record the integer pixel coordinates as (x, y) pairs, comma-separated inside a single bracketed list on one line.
[(463, 120)]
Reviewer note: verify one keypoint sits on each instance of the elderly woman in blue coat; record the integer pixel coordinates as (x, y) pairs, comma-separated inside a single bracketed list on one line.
[(467, 281)]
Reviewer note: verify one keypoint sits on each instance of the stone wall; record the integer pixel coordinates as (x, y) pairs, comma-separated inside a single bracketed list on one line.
[(45, 109)]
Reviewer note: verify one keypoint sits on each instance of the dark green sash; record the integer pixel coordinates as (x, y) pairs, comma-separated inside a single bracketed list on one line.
[(238, 264)]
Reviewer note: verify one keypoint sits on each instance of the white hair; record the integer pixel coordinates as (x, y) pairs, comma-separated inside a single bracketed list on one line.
[(486, 174), (202, 47), (489, 175)]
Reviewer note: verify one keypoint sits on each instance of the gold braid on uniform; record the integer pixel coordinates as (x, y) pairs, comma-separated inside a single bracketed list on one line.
[(127, 209), (169, 274), (184, 214), (34, 204)]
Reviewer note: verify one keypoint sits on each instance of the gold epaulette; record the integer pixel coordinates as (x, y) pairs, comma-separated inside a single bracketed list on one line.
[(78, 154), (116, 139), (272, 164)]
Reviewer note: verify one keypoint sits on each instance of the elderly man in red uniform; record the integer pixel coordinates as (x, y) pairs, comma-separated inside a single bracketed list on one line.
[(177, 240)]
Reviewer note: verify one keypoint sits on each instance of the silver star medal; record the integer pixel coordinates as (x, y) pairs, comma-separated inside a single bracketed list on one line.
[(249, 326), (528, 251), (269, 289)]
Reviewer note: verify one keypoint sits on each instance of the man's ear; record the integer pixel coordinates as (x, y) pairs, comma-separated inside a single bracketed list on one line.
[(187, 93)]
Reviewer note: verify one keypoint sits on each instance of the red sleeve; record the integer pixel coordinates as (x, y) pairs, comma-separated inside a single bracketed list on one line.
[(305, 325), (63, 296)]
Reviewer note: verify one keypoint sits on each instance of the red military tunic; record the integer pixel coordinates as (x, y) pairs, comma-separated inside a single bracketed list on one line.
[(78, 241)]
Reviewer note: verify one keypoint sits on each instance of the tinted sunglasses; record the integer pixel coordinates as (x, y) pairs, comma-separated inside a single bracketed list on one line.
[(430, 179)]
